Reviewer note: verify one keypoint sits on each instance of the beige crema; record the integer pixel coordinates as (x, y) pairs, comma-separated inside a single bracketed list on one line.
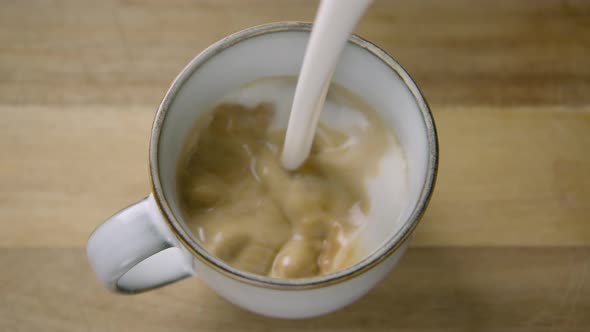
[(257, 217)]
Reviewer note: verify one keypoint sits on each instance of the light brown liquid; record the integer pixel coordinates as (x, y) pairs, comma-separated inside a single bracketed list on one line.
[(254, 215)]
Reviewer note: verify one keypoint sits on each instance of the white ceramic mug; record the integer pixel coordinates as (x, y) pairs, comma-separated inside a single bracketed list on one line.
[(147, 244)]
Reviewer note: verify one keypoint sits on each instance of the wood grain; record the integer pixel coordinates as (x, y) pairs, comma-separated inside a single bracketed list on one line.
[(460, 52), (513, 176), (504, 246), (431, 290), (507, 176)]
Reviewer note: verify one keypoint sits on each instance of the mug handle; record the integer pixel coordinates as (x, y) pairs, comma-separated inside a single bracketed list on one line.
[(134, 250)]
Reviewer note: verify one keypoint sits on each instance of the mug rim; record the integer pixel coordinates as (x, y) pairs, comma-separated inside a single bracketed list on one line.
[(376, 256)]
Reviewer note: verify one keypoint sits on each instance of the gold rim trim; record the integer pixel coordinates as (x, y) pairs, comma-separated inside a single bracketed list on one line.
[(373, 259)]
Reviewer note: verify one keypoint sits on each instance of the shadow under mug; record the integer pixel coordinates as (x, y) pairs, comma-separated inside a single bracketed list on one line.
[(148, 245)]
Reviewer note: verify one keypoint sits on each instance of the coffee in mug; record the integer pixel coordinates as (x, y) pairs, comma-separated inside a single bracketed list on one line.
[(260, 218), (372, 174)]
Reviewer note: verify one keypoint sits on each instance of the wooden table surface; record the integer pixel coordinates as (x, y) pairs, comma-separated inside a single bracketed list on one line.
[(504, 246)]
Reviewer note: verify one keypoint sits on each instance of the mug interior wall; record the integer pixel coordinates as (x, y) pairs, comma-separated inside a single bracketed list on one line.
[(281, 53)]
